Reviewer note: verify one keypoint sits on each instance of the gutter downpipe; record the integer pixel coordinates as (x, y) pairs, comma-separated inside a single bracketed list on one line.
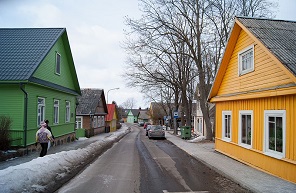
[(25, 117)]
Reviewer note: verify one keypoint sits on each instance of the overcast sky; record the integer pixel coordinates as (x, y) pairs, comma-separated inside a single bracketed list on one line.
[(95, 31)]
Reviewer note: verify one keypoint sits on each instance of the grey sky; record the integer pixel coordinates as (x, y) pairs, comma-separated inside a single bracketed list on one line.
[(95, 31)]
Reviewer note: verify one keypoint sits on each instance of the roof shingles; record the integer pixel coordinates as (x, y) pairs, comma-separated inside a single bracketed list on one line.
[(22, 50), (88, 101)]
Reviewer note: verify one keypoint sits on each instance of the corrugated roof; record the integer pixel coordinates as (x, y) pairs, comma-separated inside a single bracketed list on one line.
[(278, 36), (111, 109), (88, 101), (23, 49)]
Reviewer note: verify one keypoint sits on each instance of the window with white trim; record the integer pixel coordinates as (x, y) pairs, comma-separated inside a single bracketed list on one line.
[(78, 124), (226, 125), (245, 132), (56, 104), (40, 110), (67, 111), (275, 133), (246, 60), (58, 64)]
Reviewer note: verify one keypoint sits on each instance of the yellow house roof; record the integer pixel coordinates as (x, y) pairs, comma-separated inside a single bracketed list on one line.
[(275, 51)]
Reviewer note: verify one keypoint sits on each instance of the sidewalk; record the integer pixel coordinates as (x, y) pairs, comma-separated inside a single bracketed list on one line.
[(246, 176)]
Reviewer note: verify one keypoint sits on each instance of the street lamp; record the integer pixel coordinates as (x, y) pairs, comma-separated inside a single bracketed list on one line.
[(110, 90)]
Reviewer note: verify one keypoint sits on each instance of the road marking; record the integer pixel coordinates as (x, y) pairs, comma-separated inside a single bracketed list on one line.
[(165, 191)]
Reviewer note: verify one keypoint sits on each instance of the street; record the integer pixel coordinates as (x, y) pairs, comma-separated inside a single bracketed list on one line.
[(137, 164)]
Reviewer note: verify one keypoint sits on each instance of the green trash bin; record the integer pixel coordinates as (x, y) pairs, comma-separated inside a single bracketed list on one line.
[(185, 132)]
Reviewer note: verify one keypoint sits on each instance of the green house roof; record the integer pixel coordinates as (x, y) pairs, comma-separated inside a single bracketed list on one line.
[(23, 49)]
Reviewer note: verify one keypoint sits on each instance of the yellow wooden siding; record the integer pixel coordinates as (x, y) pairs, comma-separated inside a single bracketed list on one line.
[(258, 106), (267, 73), (279, 168)]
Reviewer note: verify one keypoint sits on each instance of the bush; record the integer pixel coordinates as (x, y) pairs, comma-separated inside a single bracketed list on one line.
[(5, 125)]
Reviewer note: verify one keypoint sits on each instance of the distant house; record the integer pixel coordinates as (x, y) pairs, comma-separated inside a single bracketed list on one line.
[(123, 113), (143, 116), (91, 111), (38, 81), (255, 96), (132, 115), (112, 117), (198, 118), (159, 111)]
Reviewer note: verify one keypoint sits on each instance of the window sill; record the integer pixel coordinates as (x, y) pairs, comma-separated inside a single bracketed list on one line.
[(226, 139), (274, 155), (245, 145)]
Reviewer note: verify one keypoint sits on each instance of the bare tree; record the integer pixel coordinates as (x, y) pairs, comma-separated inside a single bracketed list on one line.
[(178, 37), (129, 103)]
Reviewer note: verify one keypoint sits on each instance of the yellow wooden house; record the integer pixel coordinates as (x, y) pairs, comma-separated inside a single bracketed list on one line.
[(111, 118), (255, 96)]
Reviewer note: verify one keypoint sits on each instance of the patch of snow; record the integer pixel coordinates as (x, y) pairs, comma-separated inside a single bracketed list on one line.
[(82, 138), (198, 139)]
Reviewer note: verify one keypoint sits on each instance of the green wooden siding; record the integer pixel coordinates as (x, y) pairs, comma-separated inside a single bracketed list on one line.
[(46, 70), (49, 95), (12, 105)]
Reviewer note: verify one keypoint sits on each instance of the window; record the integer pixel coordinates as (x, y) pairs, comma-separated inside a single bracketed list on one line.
[(56, 111), (246, 60), (58, 64), (226, 125), (78, 122), (275, 132), (101, 120), (245, 128), (95, 122), (40, 110), (67, 111)]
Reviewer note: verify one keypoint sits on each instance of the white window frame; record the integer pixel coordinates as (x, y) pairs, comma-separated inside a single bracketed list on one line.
[(245, 112), (267, 151), (58, 64), (79, 123), (224, 137), (68, 108), (240, 55), (56, 111), (40, 110)]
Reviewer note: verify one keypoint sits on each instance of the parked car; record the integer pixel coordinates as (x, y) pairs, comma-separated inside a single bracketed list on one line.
[(148, 128), (156, 131), (141, 124), (146, 124)]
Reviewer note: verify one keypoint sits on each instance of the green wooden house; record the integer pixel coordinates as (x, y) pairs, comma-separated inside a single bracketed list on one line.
[(38, 81), (132, 116)]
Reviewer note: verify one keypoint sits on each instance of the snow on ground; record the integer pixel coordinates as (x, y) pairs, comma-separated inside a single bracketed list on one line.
[(197, 139), (42, 173)]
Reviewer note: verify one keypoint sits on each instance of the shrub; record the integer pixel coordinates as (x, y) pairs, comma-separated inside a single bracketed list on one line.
[(5, 125)]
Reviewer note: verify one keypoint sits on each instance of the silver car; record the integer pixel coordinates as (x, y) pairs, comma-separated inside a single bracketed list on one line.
[(156, 131)]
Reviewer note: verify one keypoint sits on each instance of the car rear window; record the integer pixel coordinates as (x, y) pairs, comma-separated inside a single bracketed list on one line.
[(157, 128)]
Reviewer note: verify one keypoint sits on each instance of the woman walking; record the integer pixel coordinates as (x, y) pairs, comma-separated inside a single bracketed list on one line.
[(43, 136)]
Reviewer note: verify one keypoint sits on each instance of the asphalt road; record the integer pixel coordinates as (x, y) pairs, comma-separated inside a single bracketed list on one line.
[(138, 164)]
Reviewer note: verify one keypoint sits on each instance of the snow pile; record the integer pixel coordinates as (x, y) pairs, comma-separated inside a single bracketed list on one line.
[(45, 174), (197, 139)]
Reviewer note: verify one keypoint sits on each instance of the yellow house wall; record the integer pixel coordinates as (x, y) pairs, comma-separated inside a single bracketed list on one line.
[(113, 122), (284, 168), (267, 73)]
